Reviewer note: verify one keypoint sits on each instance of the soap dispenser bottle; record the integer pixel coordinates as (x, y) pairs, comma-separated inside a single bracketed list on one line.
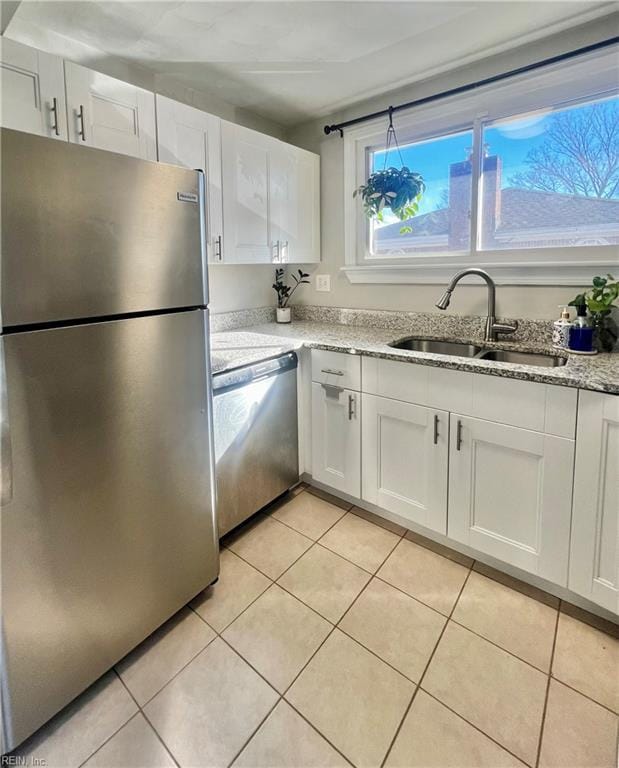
[(581, 332), (561, 330)]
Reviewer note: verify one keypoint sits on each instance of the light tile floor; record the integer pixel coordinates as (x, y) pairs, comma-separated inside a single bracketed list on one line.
[(334, 638)]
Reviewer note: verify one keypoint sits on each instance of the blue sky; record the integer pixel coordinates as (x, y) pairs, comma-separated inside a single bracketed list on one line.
[(512, 140)]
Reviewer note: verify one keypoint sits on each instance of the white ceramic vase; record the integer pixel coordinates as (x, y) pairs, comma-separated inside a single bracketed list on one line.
[(283, 315)]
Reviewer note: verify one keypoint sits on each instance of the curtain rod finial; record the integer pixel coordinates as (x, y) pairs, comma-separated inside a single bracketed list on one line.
[(330, 128)]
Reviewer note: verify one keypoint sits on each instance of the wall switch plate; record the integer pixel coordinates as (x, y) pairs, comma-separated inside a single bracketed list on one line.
[(323, 282)]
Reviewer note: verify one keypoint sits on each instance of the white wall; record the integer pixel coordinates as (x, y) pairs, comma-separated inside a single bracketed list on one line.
[(512, 301)]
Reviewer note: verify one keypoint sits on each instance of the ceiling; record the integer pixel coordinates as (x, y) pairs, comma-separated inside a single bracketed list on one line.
[(291, 61)]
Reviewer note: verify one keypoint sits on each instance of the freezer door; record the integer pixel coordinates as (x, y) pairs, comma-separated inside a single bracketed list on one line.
[(109, 526), (88, 233)]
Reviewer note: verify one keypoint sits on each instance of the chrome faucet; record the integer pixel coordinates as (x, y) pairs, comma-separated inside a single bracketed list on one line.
[(492, 327)]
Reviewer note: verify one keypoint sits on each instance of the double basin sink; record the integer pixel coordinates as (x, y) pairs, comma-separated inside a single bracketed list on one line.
[(461, 349)]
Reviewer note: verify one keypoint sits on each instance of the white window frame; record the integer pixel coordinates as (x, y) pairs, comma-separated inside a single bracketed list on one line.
[(587, 77)]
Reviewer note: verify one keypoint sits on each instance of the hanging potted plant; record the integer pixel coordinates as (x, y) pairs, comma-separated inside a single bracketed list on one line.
[(284, 293), (600, 302), (398, 189)]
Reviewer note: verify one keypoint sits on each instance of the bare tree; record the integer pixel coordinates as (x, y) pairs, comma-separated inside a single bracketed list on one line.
[(579, 155)]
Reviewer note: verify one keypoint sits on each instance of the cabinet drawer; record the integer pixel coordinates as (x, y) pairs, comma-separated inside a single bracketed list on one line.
[(336, 368), (528, 404), (435, 387)]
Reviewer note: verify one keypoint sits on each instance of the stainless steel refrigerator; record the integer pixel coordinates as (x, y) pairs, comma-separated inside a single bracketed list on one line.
[(107, 518)]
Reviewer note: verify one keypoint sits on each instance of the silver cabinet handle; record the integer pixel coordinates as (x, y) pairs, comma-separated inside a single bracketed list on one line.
[(219, 254), (6, 477), (435, 429), (459, 435), (352, 402), (54, 110), (82, 123), (332, 371), (276, 256), (332, 391)]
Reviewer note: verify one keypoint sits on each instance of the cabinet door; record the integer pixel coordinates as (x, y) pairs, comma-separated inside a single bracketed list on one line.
[(109, 114), (189, 137), (294, 186), (33, 98), (405, 454), (246, 210), (594, 562), (510, 494), (336, 438)]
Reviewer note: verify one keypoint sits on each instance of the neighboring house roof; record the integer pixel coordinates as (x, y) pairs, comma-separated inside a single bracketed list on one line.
[(521, 209)]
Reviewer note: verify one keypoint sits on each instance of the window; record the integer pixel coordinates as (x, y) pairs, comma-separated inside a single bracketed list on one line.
[(443, 221), (522, 178), (551, 178)]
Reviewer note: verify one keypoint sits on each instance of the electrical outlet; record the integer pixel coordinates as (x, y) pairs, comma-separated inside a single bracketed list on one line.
[(323, 282)]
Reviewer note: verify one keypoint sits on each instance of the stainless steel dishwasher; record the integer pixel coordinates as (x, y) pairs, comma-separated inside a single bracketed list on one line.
[(256, 437)]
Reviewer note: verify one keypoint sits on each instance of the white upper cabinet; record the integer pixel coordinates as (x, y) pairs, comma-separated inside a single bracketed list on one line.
[(110, 114), (295, 204), (189, 137), (594, 561), (510, 494), (245, 178), (270, 199), (32, 88)]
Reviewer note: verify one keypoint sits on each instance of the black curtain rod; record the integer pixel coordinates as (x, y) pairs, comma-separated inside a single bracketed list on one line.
[(470, 86)]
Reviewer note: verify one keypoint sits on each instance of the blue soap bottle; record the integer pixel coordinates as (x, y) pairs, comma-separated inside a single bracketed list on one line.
[(581, 332)]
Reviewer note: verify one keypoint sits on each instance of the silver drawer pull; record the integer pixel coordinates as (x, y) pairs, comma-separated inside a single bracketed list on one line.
[(332, 371), (352, 402), (332, 391)]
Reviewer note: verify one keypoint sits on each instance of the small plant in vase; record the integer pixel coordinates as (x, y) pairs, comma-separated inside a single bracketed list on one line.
[(600, 301), (285, 292)]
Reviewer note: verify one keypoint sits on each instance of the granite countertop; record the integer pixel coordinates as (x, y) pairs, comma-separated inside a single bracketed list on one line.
[(235, 348)]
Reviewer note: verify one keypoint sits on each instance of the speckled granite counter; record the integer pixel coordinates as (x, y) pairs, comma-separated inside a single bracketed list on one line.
[(235, 348)]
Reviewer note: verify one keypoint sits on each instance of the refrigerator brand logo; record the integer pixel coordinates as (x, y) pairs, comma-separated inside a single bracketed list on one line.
[(187, 197)]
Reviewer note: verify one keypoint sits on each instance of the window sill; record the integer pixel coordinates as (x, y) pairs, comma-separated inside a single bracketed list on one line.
[(515, 273)]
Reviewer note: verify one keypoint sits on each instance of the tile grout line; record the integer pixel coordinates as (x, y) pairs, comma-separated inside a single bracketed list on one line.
[(109, 738), (542, 724), (585, 696), (145, 716), (423, 674), (177, 673), (475, 727)]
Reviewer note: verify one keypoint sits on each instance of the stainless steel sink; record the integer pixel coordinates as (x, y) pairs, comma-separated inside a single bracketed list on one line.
[(523, 358), (462, 349), (437, 347)]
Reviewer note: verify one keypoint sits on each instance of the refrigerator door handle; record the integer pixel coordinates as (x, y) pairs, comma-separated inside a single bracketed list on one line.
[(6, 458)]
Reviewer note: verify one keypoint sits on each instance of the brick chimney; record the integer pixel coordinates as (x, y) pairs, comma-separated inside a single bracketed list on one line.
[(459, 205), (490, 199)]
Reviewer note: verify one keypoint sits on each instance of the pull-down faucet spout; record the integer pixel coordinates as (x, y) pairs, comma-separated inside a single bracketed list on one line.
[(492, 327)]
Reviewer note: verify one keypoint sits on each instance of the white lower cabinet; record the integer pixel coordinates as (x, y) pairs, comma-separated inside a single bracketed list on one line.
[(405, 456), (336, 438), (510, 494), (594, 561)]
